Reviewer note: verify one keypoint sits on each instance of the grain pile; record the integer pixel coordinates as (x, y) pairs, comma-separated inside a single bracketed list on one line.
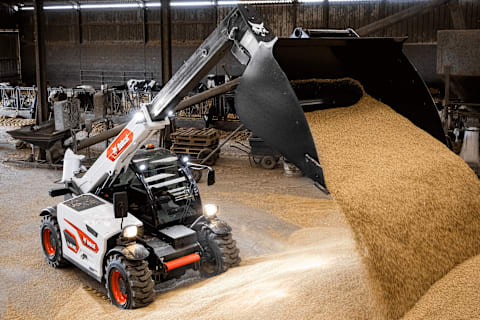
[(14, 121), (455, 296), (413, 205)]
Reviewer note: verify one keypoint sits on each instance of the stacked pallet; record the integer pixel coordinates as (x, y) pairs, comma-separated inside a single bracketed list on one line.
[(196, 143)]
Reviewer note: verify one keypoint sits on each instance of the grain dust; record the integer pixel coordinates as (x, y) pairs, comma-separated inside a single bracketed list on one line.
[(319, 277), (301, 211)]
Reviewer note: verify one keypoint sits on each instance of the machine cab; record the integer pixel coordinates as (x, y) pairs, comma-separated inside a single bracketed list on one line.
[(161, 189)]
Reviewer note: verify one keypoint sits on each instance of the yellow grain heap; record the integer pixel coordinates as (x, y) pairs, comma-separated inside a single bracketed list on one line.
[(455, 296), (413, 205)]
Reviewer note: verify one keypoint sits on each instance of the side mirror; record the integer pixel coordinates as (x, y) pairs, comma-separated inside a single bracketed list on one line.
[(210, 177), (120, 204)]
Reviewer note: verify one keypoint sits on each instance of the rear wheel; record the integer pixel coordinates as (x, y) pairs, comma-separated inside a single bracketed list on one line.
[(52, 242), (129, 283), (221, 253)]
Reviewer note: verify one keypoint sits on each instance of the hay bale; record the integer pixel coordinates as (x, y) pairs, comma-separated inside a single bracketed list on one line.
[(413, 205)]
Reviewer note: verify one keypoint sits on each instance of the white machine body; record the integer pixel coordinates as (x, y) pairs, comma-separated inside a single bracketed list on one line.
[(86, 223)]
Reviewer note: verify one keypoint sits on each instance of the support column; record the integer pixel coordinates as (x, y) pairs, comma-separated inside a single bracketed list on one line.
[(40, 62), (166, 41), (145, 23), (294, 14), (457, 15), (326, 14), (79, 23), (40, 67)]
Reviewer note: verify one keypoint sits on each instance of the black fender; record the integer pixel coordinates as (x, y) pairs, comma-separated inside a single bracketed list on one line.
[(218, 226), (49, 211), (132, 251)]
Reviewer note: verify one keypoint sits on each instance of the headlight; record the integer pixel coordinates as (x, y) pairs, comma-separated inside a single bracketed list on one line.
[(139, 117), (130, 232), (210, 210)]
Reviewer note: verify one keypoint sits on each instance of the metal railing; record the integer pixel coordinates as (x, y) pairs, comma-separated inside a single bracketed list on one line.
[(18, 98), (99, 77), (120, 102), (222, 109)]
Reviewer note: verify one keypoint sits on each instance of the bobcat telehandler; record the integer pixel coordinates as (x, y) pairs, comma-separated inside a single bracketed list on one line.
[(135, 217)]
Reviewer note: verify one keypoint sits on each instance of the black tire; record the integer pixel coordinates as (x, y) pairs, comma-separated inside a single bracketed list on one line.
[(51, 240), (129, 283), (268, 162), (221, 254)]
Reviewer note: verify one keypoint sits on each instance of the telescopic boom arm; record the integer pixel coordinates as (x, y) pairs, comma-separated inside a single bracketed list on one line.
[(241, 31)]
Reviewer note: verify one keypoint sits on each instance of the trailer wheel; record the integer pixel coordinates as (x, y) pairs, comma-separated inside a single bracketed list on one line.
[(221, 253), (129, 283), (268, 162), (52, 242)]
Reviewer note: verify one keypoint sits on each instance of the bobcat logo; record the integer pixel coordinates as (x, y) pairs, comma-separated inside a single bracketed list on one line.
[(120, 144)]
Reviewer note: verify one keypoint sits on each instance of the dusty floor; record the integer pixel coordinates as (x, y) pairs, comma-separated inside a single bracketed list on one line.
[(299, 257), (263, 207)]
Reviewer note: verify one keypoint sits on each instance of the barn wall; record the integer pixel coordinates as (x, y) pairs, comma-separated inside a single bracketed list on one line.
[(129, 39), (8, 45), (8, 17)]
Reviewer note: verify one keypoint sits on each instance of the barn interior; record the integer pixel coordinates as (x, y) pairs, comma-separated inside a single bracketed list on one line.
[(251, 159)]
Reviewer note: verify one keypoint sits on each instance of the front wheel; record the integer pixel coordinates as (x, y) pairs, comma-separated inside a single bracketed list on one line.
[(129, 283), (52, 242), (221, 253)]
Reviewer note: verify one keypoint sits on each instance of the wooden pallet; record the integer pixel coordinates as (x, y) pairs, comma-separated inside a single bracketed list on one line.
[(207, 143), (188, 150), (190, 141), (195, 136), (195, 146)]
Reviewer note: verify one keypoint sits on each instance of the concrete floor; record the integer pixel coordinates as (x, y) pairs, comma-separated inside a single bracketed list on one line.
[(31, 289)]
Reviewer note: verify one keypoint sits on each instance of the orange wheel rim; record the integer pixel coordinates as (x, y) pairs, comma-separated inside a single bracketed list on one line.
[(47, 242), (115, 279)]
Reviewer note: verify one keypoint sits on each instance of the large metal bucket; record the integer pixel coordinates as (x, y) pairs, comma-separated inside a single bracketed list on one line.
[(268, 105)]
